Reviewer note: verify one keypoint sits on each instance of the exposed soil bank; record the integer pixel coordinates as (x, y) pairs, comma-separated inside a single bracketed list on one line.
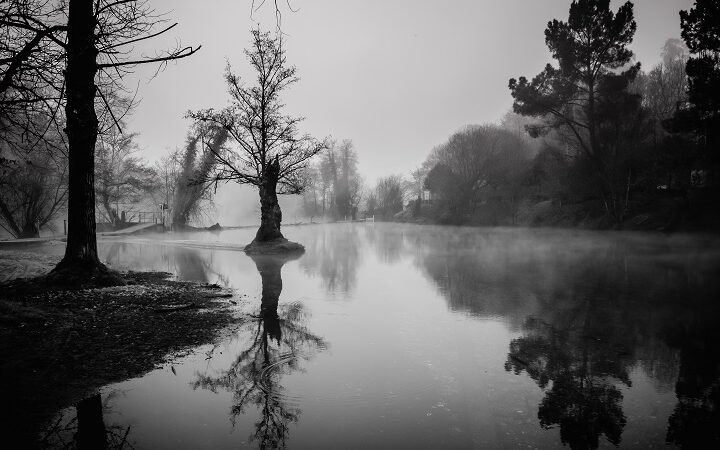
[(274, 247), (59, 346)]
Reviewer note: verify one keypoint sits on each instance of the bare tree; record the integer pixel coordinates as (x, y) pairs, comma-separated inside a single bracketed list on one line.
[(33, 171), (269, 152), (349, 183), (168, 170), (95, 41), (390, 193), (477, 165), (415, 185), (665, 88), (313, 196), (121, 176), (328, 167), (32, 192), (31, 79), (336, 182), (371, 204)]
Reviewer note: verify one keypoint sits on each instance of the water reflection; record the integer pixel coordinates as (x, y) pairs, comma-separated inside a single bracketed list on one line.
[(89, 427), (609, 314), (389, 242), (694, 421), (91, 432), (278, 343), (603, 339), (189, 264), (584, 365), (581, 345), (333, 253)]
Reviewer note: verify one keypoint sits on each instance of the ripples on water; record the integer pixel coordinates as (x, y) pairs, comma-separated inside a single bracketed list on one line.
[(388, 336)]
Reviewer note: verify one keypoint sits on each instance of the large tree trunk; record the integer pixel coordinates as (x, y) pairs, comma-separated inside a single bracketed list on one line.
[(270, 214), (91, 433), (81, 256), (30, 230), (82, 129)]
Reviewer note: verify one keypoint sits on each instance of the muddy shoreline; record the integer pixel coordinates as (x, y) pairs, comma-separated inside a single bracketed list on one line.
[(61, 346)]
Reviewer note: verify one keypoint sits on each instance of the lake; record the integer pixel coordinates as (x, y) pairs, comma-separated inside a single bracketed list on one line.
[(405, 336)]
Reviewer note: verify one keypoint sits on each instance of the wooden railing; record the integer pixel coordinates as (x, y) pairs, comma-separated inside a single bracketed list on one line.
[(148, 217)]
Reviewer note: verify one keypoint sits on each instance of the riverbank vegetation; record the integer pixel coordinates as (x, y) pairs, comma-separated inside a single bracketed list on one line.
[(593, 140)]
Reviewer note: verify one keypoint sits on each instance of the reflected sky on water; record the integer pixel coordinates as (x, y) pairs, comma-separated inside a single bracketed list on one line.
[(402, 336)]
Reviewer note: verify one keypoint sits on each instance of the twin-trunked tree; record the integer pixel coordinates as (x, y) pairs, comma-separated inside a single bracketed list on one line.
[(265, 148)]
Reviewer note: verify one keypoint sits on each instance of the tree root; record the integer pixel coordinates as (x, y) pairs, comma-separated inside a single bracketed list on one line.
[(276, 246), (67, 274)]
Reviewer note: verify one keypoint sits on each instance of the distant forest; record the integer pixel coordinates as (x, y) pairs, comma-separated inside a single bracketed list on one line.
[(593, 140)]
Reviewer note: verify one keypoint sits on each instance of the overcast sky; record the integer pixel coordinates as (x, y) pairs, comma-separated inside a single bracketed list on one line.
[(396, 77)]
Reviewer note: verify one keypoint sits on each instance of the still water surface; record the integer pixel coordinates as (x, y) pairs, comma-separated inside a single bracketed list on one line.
[(390, 336)]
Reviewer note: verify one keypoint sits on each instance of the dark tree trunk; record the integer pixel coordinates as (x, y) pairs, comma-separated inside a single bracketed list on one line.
[(270, 272), (30, 230), (81, 265), (270, 267), (82, 129), (270, 214), (91, 432)]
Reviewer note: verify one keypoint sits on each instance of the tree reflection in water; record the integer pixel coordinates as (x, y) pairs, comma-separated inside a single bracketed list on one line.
[(279, 343), (694, 422), (87, 428), (189, 264), (579, 348), (333, 253), (597, 310), (582, 364)]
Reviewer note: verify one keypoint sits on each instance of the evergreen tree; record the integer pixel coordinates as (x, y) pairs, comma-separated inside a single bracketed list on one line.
[(701, 115), (587, 95)]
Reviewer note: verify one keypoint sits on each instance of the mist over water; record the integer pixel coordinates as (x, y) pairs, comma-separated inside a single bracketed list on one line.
[(403, 336), (237, 205)]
